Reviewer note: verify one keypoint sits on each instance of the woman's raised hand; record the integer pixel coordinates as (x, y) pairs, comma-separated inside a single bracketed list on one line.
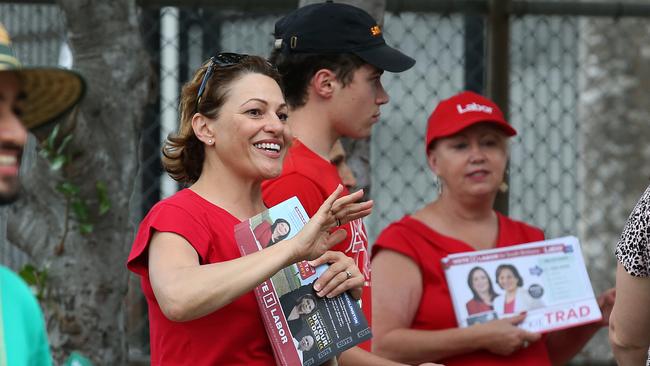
[(316, 237)]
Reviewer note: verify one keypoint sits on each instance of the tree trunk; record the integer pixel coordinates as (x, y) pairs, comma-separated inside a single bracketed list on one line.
[(87, 281), (614, 116), (358, 151)]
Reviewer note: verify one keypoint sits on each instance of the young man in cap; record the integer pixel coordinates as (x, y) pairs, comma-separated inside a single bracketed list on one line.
[(29, 98), (331, 57)]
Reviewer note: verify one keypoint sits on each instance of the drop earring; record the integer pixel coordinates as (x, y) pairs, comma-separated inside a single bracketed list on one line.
[(503, 187), (438, 185)]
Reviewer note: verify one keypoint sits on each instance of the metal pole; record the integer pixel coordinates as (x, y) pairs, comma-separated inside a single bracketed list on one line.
[(474, 44), (499, 69), (169, 85)]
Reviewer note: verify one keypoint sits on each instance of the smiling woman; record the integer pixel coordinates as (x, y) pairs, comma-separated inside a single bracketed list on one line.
[(232, 136)]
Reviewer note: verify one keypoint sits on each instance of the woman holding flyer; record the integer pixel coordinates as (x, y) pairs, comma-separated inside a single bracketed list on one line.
[(232, 136), (467, 149)]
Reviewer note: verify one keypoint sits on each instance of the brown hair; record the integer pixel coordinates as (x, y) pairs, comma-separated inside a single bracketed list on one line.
[(183, 153), (298, 69)]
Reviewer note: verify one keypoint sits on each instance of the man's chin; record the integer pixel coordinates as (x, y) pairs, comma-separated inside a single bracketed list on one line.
[(6, 199), (8, 196)]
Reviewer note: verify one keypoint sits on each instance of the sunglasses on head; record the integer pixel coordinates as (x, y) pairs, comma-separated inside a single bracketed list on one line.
[(222, 59)]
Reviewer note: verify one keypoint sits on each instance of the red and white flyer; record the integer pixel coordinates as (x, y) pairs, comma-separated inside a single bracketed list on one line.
[(304, 329), (546, 279)]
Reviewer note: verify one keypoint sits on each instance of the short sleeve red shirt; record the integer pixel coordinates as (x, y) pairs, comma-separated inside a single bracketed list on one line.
[(426, 248), (232, 335), (312, 179)]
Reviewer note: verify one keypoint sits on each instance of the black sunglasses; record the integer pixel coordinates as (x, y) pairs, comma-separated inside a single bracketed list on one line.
[(222, 59)]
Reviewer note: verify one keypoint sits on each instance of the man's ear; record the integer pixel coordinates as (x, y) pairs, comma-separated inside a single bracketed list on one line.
[(324, 83), (202, 129)]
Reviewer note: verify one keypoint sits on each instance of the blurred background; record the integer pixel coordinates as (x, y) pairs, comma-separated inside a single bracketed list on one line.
[(572, 76)]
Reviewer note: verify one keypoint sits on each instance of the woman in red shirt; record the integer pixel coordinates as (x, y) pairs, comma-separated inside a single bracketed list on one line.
[(232, 136), (413, 316)]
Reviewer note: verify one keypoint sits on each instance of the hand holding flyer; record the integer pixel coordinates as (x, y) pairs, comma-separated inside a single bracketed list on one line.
[(547, 280), (506, 337), (342, 275), (304, 328)]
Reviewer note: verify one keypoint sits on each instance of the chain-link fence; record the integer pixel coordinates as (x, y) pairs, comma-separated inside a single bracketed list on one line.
[(577, 95)]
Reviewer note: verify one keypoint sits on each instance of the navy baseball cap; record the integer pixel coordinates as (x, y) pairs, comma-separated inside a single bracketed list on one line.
[(338, 28)]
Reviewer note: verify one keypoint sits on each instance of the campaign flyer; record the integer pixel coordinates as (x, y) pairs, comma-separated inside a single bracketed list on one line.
[(304, 329), (547, 279)]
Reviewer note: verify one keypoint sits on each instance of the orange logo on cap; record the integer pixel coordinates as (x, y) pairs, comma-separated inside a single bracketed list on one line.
[(375, 30)]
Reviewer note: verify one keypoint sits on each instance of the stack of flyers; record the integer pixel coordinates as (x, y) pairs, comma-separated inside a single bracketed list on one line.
[(304, 329)]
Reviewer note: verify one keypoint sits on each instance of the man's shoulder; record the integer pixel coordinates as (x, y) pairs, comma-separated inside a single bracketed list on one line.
[(9, 278), (303, 161), (15, 288), (304, 175), (308, 190), (294, 179)]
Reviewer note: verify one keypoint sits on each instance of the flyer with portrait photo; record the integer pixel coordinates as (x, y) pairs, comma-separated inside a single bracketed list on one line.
[(547, 279), (303, 328)]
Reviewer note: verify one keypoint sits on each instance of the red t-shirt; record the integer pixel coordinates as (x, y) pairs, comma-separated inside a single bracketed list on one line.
[(426, 248), (312, 179), (232, 335)]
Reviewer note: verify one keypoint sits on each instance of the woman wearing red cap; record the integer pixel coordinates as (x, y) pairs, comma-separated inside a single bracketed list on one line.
[(413, 317)]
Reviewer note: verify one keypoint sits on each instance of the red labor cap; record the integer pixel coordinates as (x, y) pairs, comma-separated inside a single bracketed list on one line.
[(461, 111)]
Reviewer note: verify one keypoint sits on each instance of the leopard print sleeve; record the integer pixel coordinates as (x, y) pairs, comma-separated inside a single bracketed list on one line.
[(633, 248)]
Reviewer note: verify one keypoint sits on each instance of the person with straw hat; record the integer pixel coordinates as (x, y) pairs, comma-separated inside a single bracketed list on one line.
[(31, 98)]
